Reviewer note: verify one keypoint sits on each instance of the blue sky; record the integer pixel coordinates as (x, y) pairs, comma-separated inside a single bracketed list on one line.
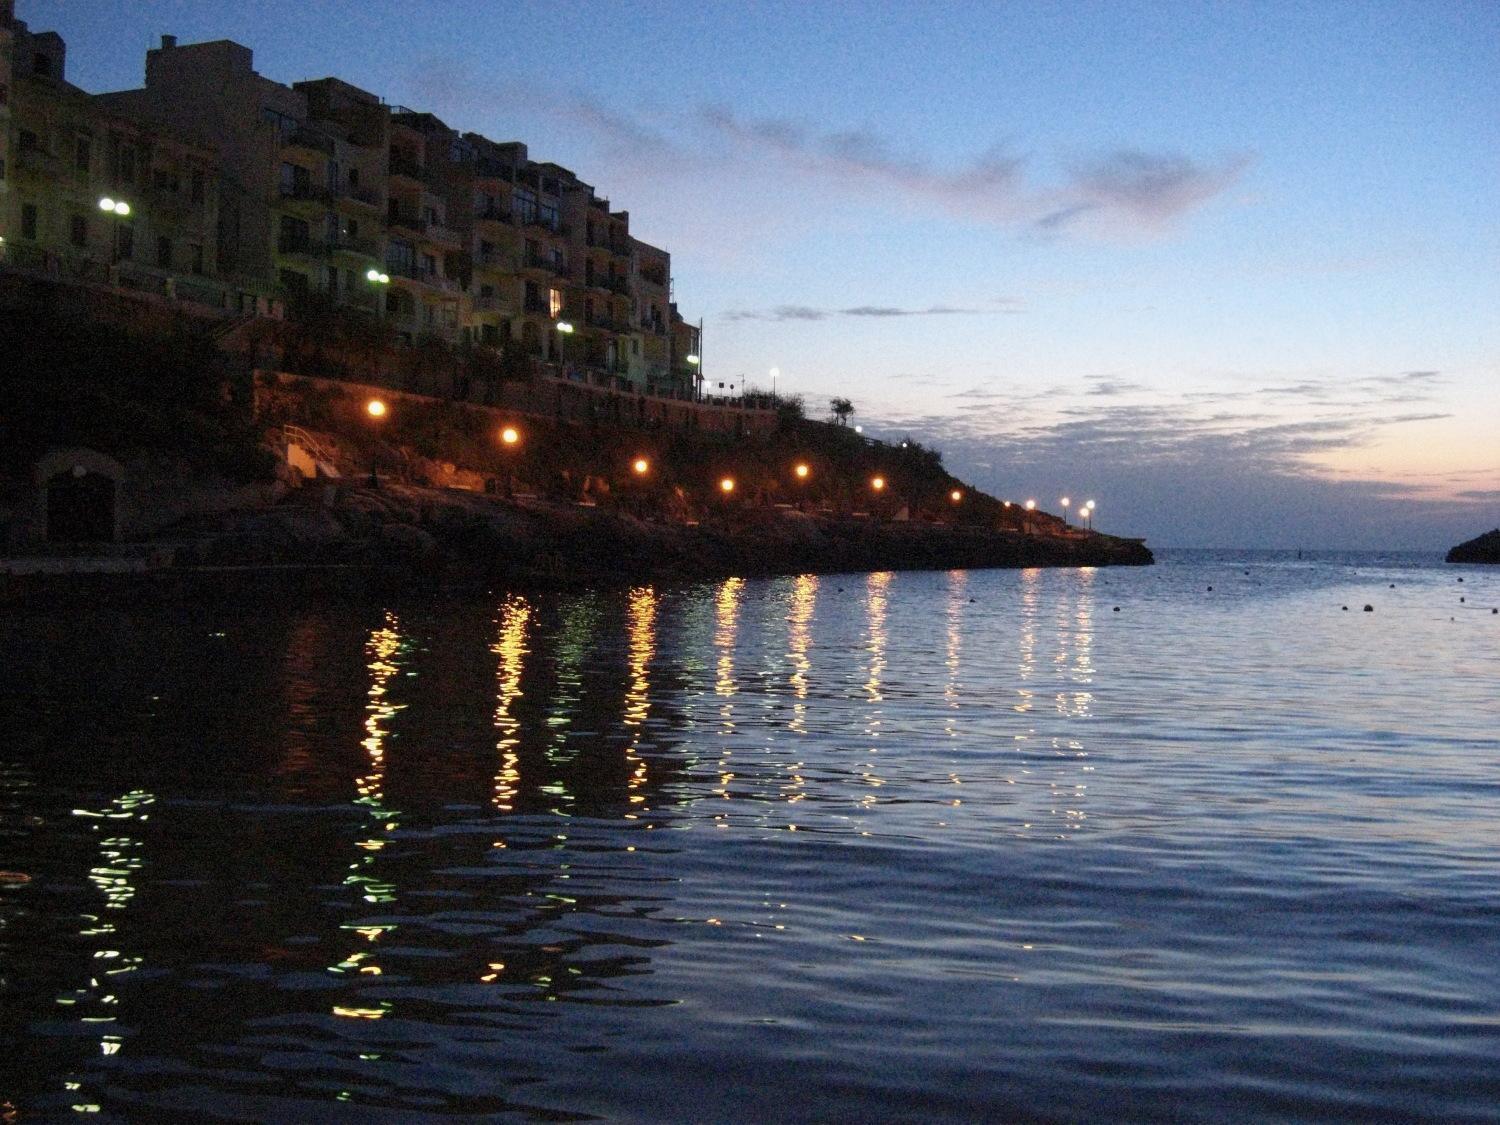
[(1231, 269)]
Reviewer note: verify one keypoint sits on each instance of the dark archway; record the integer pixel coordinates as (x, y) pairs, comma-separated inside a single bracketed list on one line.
[(80, 507)]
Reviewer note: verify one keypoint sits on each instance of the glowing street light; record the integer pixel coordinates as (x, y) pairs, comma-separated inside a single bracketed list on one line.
[(510, 435), (119, 209), (726, 486), (802, 470), (1065, 502), (878, 484), (693, 360), (641, 466), (376, 409), (956, 495), (1031, 505), (375, 277)]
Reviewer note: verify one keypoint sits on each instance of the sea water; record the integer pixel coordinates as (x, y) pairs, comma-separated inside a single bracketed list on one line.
[(1200, 841)]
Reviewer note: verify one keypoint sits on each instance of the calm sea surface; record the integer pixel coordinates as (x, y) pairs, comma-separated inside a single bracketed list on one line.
[(862, 847)]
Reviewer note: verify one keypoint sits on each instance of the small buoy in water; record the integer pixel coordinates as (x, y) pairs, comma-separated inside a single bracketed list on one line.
[(1460, 601), (1495, 611), (971, 601), (1346, 609), (1460, 579), (1117, 609), (1393, 585), (1210, 587), (1369, 609)]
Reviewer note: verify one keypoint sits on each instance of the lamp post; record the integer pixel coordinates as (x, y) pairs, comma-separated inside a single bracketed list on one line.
[(775, 372), (377, 280), (1088, 514), (695, 362), (1030, 507), (1065, 502), (119, 209), (376, 409), (564, 330)]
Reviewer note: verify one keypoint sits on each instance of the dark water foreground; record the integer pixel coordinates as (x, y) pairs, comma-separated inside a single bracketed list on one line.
[(860, 847)]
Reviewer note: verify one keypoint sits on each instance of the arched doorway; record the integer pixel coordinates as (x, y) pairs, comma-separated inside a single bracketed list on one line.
[(80, 507)]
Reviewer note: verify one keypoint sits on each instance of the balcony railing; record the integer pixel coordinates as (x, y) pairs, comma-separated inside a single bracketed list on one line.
[(437, 232), (369, 247), (306, 137), (305, 247), (535, 305), (494, 215), (489, 304), (305, 193), (489, 168), (505, 262), (368, 196), (402, 165), (405, 219)]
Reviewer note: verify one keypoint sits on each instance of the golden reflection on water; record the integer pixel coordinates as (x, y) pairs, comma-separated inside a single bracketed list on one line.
[(511, 650), (385, 650), (121, 855), (642, 640), (799, 645), (877, 590)]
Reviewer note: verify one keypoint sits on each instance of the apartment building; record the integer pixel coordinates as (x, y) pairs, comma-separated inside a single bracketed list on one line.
[(93, 194), (322, 194)]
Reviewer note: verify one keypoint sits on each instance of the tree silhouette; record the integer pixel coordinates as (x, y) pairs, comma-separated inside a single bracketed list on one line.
[(841, 408)]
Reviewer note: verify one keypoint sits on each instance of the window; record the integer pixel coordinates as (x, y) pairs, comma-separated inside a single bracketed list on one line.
[(198, 184), (547, 213), (354, 177), (28, 220), (293, 235), (122, 160), (293, 282), (295, 180), (78, 232), (26, 141), (429, 266), (353, 228), (523, 204), (164, 252), (81, 154), (486, 290), (126, 242), (195, 257), (401, 256), (554, 302), (486, 251)]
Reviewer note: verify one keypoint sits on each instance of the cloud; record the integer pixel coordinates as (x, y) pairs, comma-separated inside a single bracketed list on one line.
[(1152, 188), (1127, 186), (1480, 494), (804, 312)]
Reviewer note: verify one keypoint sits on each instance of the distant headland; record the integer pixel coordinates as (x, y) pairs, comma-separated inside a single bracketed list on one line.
[(1481, 549)]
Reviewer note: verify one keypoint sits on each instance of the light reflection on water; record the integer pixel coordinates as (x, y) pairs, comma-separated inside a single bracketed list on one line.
[(965, 844)]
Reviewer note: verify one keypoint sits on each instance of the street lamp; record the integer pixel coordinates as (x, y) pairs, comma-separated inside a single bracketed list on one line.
[(564, 330), (377, 279), (1065, 502), (1088, 514), (119, 209), (726, 486), (376, 409), (956, 496), (641, 466), (878, 484), (775, 371), (802, 470), (510, 435)]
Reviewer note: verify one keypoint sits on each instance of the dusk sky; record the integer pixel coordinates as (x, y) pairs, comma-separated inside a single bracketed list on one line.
[(1231, 270)]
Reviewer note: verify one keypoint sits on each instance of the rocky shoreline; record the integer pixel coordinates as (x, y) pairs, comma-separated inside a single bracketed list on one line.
[(341, 539)]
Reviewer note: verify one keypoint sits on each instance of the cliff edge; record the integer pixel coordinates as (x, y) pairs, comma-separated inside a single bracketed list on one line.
[(1484, 549)]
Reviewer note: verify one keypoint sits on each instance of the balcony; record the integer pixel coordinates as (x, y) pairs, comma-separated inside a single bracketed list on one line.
[(493, 215), (309, 140), (304, 193), (447, 236), (407, 220), (618, 284), (364, 247), (489, 304), (536, 305), (37, 162), (361, 196), (404, 166), (654, 277), (488, 168), (496, 261), (303, 248)]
